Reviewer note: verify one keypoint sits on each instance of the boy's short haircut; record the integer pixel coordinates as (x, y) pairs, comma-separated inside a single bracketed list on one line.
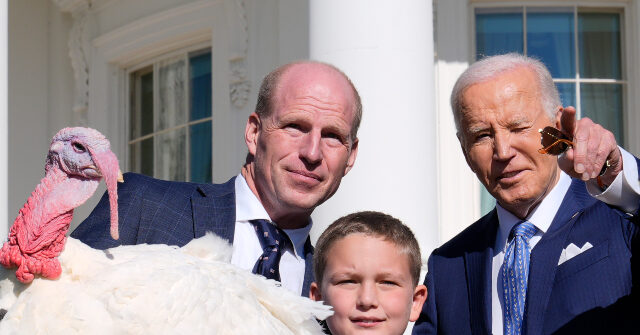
[(370, 223)]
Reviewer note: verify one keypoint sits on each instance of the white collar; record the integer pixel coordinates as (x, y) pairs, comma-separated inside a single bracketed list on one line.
[(248, 208), (541, 216)]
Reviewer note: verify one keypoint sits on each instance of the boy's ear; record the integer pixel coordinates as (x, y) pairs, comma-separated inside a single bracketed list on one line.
[(314, 292), (419, 297)]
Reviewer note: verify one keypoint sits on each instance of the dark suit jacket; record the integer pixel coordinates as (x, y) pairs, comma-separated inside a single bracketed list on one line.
[(592, 293), (156, 211)]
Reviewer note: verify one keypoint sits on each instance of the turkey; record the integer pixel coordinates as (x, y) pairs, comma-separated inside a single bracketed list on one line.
[(62, 286)]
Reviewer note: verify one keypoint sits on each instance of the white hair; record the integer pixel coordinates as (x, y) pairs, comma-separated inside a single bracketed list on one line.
[(493, 66)]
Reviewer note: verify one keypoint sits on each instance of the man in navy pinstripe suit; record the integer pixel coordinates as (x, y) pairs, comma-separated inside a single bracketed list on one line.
[(301, 140), (556, 254)]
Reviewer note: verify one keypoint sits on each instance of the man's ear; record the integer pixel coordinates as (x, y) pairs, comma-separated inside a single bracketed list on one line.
[(251, 133), (419, 297), (352, 156), (314, 292)]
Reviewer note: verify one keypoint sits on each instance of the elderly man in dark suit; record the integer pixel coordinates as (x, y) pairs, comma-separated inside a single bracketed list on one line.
[(555, 255), (301, 140)]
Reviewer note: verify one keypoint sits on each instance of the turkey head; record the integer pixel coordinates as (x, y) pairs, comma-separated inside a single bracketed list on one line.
[(78, 158)]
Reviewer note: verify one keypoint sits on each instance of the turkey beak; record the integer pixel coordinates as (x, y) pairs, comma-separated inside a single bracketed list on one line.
[(56, 147), (93, 171), (120, 178)]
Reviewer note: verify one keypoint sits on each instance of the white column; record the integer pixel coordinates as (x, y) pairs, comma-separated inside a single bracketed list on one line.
[(386, 48), (4, 118), (459, 189)]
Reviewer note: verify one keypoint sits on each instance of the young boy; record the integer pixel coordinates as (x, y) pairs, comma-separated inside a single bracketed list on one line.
[(367, 266)]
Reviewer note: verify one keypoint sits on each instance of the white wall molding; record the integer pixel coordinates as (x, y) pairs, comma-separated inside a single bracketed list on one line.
[(158, 33), (78, 47), (71, 6), (78, 53), (239, 85)]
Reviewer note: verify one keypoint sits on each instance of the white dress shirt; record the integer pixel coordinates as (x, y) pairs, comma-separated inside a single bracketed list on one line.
[(247, 248), (623, 193)]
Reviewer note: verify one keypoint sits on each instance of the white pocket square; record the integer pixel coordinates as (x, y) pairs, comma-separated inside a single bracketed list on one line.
[(572, 251)]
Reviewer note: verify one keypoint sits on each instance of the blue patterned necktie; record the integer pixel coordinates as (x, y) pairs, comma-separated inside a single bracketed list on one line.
[(515, 274), (273, 240)]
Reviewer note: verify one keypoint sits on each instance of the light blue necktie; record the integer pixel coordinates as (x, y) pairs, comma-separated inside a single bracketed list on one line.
[(515, 274)]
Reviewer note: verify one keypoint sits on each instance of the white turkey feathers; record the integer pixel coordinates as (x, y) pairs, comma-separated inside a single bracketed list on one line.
[(154, 289)]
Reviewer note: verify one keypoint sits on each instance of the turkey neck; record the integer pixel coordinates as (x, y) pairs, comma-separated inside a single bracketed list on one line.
[(49, 209)]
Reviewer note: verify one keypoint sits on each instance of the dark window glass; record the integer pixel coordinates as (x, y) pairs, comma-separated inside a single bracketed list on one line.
[(200, 86), (599, 45), (201, 152), (603, 104), (567, 93), (550, 39), (498, 31)]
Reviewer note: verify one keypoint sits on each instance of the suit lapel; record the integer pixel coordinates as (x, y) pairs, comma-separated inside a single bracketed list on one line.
[(545, 255), (478, 268), (214, 209)]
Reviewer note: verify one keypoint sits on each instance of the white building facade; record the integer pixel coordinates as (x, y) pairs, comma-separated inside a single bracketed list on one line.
[(172, 82)]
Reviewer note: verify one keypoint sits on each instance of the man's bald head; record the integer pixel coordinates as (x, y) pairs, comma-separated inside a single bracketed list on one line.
[(271, 82)]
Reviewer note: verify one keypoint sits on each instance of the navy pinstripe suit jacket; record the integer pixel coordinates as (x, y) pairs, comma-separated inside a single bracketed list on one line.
[(156, 211), (593, 293)]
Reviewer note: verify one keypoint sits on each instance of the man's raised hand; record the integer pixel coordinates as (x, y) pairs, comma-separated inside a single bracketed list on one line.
[(593, 146)]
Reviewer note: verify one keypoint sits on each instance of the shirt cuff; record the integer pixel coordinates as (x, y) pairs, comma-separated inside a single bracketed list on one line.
[(624, 192)]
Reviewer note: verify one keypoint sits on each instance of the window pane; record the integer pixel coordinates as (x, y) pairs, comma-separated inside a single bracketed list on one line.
[(172, 82), (567, 93), (141, 118), (200, 137), (603, 104), (200, 86), (498, 31), (141, 157), (171, 155), (599, 43), (550, 39)]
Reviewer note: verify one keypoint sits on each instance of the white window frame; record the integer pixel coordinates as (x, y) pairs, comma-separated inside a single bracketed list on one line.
[(179, 28), (577, 80), (184, 54)]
